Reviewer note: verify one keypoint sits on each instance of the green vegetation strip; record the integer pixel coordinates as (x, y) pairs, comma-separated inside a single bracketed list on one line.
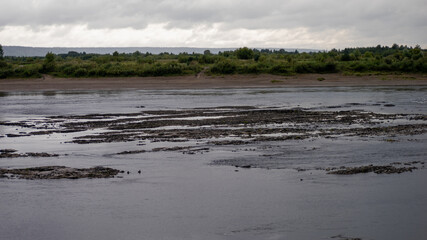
[(350, 61)]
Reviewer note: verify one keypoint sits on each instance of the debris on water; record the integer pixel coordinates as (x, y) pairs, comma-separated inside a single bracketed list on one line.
[(340, 237), (389, 105), (244, 166)]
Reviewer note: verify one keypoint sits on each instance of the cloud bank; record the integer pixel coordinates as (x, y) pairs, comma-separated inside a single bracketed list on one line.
[(205, 23)]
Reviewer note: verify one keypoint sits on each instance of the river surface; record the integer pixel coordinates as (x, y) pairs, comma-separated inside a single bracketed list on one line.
[(185, 196)]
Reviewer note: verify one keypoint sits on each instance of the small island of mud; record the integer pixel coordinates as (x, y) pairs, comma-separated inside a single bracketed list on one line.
[(58, 172), (380, 169), (12, 153)]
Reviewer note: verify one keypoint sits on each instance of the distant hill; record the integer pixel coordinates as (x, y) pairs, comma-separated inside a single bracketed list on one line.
[(18, 51)]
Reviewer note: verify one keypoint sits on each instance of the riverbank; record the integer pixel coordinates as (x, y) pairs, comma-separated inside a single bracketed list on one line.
[(203, 81)]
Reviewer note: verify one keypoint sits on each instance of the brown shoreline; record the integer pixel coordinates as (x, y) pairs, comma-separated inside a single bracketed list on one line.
[(208, 82)]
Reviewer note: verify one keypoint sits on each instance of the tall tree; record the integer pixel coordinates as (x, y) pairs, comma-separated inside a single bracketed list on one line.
[(244, 53), (49, 63), (1, 51)]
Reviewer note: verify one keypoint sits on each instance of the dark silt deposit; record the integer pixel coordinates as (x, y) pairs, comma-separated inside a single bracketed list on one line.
[(208, 129), (386, 169), (246, 125), (12, 153), (284, 163), (58, 172)]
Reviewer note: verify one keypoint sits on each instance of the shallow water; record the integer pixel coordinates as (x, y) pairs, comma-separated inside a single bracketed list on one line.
[(181, 196)]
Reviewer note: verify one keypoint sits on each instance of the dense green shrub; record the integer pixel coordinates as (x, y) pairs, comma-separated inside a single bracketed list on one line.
[(32, 70), (49, 63), (280, 69), (359, 67), (186, 58), (249, 69), (3, 64), (68, 70), (5, 72), (244, 53), (224, 67), (303, 68), (316, 67), (207, 59), (158, 69), (80, 72)]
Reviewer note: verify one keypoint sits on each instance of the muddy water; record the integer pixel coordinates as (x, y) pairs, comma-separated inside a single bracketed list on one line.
[(184, 196)]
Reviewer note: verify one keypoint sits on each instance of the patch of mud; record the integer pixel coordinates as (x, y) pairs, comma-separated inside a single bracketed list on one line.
[(341, 237), (395, 167), (131, 152), (12, 153), (58, 172), (386, 169), (184, 150)]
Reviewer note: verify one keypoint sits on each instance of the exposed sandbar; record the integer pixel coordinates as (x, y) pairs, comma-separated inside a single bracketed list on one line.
[(207, 82)]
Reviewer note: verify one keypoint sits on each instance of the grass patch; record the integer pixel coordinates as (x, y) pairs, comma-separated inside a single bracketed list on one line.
[(321, 79)]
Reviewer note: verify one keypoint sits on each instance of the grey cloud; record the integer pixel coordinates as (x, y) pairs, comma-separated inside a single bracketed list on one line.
[(363, 17)]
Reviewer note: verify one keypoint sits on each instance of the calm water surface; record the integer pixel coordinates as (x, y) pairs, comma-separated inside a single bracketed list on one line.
[(184, 197)]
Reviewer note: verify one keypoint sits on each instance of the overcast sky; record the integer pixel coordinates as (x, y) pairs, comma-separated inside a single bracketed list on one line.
[(319, 24)]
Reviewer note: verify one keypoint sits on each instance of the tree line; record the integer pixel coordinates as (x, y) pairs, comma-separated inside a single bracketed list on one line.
[(362, 60)]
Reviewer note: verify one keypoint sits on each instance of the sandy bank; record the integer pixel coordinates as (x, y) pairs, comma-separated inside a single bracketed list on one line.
[(200, 82)]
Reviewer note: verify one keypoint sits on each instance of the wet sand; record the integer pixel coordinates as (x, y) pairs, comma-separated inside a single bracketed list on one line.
[(203, 81)]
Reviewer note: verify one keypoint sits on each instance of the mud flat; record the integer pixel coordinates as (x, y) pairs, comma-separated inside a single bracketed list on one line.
[(204, 130), (217, 125)]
